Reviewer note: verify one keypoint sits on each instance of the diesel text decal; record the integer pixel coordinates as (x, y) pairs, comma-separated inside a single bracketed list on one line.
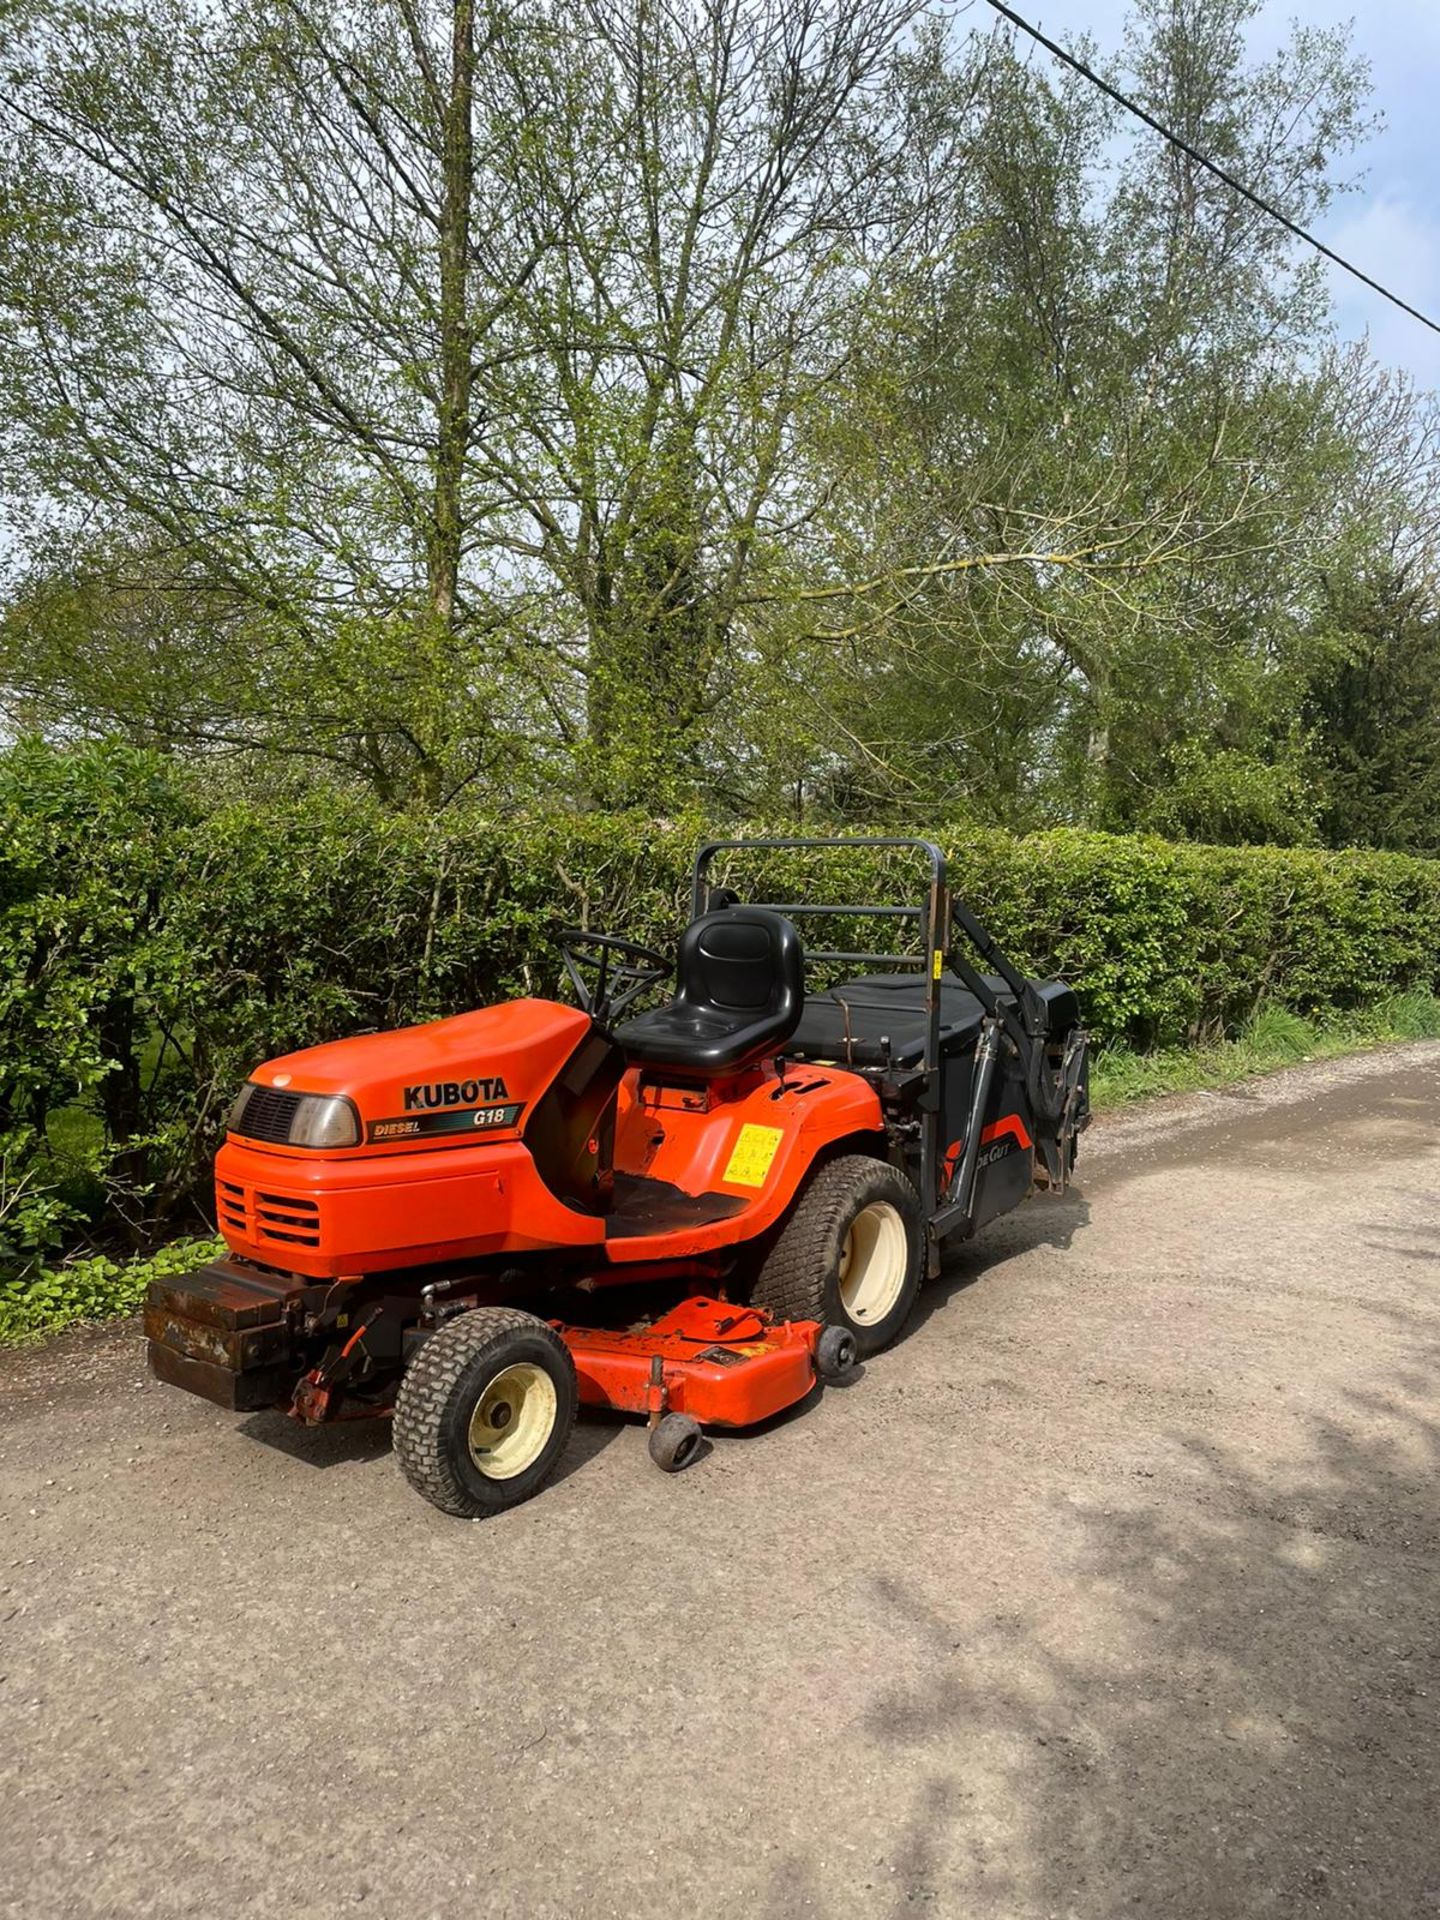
[(471, 1120)]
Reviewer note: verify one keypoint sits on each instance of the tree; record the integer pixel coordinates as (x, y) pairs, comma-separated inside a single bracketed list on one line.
[(814, 406), (1376, 712), (735, 187), (242, 337), (462, 348), (1087, 471)]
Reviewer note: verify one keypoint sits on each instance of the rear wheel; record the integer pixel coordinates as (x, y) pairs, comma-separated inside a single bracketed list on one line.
[(484, 1411), (851, 1254)]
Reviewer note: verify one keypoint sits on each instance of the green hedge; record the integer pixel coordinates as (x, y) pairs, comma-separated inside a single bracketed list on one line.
[(155, 944)]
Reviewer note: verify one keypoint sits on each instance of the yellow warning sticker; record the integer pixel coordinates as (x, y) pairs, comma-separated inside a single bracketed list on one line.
[(937, 963), (750, 1160)]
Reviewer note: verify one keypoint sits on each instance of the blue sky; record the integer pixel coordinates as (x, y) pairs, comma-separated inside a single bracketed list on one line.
[(1391, 226)]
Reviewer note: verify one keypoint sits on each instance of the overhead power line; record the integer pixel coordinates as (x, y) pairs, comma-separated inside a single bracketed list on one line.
[(1210, 166)]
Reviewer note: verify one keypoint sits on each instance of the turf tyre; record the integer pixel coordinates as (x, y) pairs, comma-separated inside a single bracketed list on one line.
[(801, 1277), (442, 1394)]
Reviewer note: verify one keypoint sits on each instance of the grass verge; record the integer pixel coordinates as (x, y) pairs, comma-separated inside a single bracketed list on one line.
[(1272, 1039)]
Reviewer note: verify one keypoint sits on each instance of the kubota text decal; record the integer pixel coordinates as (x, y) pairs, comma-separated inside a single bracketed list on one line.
[(453, 1093)]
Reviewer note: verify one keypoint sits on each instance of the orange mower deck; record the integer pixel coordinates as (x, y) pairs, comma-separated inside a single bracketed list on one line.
[(723, 1365)]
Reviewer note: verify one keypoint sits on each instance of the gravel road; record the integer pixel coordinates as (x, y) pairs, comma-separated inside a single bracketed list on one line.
[(1113, 1588)]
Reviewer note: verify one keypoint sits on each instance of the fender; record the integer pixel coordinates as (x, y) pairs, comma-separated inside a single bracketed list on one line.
[(752, 1140)]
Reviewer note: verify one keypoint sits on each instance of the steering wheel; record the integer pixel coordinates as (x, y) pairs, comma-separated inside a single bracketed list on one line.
[(615, 986)]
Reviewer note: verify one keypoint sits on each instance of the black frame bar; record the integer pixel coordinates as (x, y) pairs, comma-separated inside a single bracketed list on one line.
[(938, 918)]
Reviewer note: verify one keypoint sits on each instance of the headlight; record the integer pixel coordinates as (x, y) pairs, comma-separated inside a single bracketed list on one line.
[(294, 1119), (324, 1121)]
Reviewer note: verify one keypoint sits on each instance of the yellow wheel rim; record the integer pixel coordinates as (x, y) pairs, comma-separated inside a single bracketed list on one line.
[(873, 1263), (513, 1419)]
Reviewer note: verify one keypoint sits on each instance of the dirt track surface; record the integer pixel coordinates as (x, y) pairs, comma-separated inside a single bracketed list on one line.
[(1113, 1589)]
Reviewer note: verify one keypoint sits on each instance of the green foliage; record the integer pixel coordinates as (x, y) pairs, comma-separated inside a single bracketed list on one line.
[(449, 369), (35, 1215), (86, 974), (157, 943), (1375, 713), (1273, 1037), (1229, 795), (1088, 474), (1410, 1016), (1278, 1034), (90, 1289)]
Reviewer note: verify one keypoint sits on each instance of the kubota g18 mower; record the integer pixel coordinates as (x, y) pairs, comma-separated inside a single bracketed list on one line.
[(691, 1214)]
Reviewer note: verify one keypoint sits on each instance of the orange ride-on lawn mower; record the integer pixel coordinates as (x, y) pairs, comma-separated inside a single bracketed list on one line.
[(692, 1214)]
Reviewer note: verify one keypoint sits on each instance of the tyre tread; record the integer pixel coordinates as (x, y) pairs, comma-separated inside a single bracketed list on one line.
[(791, 1281), (426, 1389)]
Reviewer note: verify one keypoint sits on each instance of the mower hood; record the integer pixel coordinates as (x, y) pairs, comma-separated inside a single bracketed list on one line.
[(474, 1073)]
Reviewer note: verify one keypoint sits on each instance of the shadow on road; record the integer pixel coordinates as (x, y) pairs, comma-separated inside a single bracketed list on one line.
[(1050, 1220), (351, 1443), (346, 1443), (1409, 1241), (1047, 1220), (1240, 1717)]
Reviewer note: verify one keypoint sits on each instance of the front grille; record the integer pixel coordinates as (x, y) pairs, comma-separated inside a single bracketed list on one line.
[(294, 1222), (269, 1114), (285, 1219), (230, 1204)]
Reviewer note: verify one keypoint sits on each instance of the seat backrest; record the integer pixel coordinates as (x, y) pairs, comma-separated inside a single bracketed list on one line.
[(742, 961), (740, 991)]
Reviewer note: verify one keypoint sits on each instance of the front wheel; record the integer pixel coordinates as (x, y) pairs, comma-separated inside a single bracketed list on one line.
[(851, 1254), (485, 1411)]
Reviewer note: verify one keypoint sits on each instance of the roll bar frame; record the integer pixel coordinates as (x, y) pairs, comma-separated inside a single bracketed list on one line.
[(940, 917)]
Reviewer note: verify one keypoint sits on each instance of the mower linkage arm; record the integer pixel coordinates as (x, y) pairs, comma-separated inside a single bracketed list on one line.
[(958, 1206), (1032, 1008)]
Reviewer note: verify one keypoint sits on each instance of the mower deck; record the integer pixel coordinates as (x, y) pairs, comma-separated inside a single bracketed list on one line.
[(230, 1334), (725, 1366)]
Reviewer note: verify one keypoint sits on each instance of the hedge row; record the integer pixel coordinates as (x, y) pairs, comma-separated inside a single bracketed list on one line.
[(155, 944)]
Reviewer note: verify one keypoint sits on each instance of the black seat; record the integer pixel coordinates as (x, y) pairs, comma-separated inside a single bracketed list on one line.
[(741, 991)]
